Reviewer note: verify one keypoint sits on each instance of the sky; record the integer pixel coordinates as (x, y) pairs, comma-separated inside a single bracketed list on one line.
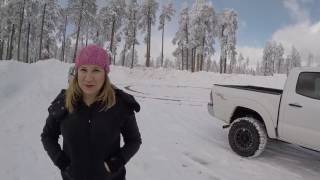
[(290, 22)]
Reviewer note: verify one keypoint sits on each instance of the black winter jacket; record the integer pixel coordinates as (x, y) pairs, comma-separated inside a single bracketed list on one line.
[(91, 137)]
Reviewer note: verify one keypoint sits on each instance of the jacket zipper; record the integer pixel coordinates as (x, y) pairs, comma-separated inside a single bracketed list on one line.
[(89, 144)]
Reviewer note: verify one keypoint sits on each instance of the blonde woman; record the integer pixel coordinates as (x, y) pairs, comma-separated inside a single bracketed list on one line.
[(90, 116)]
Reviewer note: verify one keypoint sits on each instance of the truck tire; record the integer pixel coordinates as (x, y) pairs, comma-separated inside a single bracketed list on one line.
[(247, 137)]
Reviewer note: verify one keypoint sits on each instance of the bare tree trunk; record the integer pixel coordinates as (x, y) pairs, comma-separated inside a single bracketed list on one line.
[(8, 48), (48, 48), (134, 41), (41, 34), (11, 42), (87, 35), (28, 40), (97, 37), (78, 31), (220, 63), (112, 33), (202, 53), (132, 58), (112, 37), (1, 48), (148, 41), (123, 56), (162, 45), (182, 62), (193, 59), (198, 62), (64, 39), (187, 42), (225, 64), (20, 29)]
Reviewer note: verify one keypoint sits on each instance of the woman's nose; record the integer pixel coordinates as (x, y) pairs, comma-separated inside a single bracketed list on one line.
[(88, 77)]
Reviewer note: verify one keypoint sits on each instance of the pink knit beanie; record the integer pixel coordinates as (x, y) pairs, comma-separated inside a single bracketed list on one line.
[(95, 55)]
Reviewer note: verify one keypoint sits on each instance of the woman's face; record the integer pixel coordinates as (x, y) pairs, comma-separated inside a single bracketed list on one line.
[(90, 79)]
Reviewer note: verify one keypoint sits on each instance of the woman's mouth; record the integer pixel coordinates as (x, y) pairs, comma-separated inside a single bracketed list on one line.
[(89, 86)]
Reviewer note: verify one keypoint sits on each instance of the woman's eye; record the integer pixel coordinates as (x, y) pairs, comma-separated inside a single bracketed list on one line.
[(83, 70), (96, 70)]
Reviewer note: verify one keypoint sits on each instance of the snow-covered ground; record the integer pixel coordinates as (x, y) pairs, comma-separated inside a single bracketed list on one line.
[(180, 139)]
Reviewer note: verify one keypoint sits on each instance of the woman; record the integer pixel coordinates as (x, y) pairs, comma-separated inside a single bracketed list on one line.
[(90, 115)]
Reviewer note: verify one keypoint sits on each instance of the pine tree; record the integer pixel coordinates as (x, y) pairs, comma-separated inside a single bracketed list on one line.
[(10, 18), (202, 32), (268, 59), (50, 17), (295, 57), (148, 18), (113, 15), (130, 28), (33, 12), (81, 12), (165, 16), (181, 37), (233, 64), (227, 28), (240, 63), (279, 60)]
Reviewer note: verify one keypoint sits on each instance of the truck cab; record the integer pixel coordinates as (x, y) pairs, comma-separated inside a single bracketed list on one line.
[(299, 113)]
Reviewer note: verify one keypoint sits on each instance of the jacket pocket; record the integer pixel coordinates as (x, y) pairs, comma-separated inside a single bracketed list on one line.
[(106, 169)]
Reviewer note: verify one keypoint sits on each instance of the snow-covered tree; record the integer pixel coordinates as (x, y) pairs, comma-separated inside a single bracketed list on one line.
[(34, 10), (3, 17), (62, 32), (295, 58), (208, 64), (278, 58), (258, 68), (214, 66), (11, 14), (181, 37), (227, 28), (130, 28), (168, 64), (50, 15), (148, 18), (81, 12), (268, 59), (202, 32), (165, 16), (129, 61), (112, 15), (240, 64), (233, 64)]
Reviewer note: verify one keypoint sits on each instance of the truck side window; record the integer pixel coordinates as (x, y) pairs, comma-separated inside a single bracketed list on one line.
[(309, 85)]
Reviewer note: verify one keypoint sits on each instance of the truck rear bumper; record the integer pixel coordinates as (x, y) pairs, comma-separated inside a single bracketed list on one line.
[(210, 109)]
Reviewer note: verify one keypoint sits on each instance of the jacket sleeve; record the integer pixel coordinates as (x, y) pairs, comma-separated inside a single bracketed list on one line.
[(131, 137), (49, 137)]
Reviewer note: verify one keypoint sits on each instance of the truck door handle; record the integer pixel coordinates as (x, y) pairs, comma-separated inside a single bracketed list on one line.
[(295, 105)]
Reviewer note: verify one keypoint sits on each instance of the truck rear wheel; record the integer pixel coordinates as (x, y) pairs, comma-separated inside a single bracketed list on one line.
[(247, 137)]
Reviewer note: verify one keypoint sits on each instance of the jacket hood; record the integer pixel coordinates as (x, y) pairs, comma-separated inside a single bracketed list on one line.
[(128, 99), (57, 108)]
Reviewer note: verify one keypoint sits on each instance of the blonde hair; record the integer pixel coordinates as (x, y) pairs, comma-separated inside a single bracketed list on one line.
[(74, 94)]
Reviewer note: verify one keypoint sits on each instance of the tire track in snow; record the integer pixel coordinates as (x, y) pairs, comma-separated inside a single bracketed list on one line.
[(167, 98)]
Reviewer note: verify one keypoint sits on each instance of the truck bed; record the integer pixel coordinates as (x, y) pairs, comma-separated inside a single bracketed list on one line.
[(254, 88)]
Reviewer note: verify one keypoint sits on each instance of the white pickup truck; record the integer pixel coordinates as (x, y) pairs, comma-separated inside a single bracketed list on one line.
[(255, 114)]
